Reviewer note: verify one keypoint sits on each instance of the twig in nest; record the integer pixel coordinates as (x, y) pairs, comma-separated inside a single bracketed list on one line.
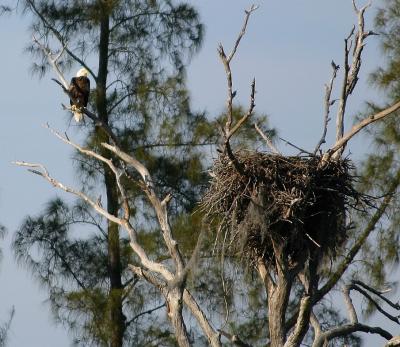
[(267, 139), (294, 146)]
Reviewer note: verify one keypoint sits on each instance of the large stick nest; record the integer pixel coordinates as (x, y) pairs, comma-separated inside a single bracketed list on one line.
[(280, 206)]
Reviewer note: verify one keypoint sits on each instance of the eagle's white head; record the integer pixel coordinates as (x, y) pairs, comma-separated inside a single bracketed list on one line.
[(82, 72)]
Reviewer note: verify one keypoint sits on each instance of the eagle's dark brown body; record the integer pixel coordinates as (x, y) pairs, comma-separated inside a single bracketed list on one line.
[(79, 90)]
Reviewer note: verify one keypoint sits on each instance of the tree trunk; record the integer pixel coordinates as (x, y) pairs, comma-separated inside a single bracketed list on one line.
[(278, 293), (174, 309), (278, 298), (117, 322)]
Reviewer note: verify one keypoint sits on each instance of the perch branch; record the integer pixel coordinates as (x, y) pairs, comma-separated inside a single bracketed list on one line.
[(65, 87)]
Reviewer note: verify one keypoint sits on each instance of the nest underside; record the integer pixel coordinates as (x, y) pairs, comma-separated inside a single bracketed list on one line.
[(280, 206)]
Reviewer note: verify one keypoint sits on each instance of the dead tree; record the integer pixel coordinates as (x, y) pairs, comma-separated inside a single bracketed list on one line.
[(292, 247), (287, 215)]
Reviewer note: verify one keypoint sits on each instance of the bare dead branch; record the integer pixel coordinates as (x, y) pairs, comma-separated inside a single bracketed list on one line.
[(348, 329), (301, 325), (160, 207), (147, 263), (43, 172), (375, 303), (151, 265), (343, 95), (337, 148), (53, 61), (117, 172), (378, 293), (350, 75), (228, 131), (212, 335), (242, 32), (328, 104), (246, 116), (297, 147), (150, 311), (315, 324)]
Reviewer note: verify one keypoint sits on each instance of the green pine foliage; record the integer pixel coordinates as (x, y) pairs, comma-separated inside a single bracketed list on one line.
[(379, 170)]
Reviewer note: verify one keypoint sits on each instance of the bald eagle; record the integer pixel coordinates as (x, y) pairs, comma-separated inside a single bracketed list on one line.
[(79, 90)]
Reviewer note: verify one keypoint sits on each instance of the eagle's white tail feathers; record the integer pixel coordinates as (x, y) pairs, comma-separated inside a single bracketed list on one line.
[(78, 116)]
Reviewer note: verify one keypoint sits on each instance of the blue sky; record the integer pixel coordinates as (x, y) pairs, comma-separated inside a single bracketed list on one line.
[(288, 48)]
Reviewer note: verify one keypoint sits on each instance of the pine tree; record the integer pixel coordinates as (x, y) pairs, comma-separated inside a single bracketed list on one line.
[(136, 53), (381, 169)]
